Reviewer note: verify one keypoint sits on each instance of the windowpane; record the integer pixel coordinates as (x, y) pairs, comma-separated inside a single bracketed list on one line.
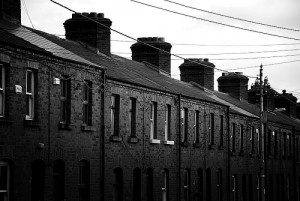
[(114, 114), (30, 94), (196, 126), (87, 103), (168, 122), (2, 90), (212, 128), (221, 130), (65, 99), (241, 138), (29, 81), (233, 138), (153, 121), (132, 116)]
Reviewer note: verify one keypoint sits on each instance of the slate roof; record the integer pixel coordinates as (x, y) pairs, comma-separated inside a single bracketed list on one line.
[(122, 69)]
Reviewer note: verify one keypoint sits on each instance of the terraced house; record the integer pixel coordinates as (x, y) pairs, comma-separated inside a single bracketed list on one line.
[(80, 123)]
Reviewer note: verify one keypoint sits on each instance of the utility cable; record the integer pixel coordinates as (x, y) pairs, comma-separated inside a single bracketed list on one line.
[(125, 35), (235, 18), (27, 13), (215, 22)]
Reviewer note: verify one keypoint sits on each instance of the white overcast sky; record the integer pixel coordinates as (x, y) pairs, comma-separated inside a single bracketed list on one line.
[(138, 20)]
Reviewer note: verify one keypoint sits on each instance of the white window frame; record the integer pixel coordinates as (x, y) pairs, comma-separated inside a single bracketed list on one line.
[(153, 122), (6, 191), (30, 95), (168, 126), (2, 91)]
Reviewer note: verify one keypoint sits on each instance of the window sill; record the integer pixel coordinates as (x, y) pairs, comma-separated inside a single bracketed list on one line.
[(221, 147), (196, 144), (115, 138), (64, 126), (31, 123), (4, 120), (154, 141), (133, 140), (88, 128), (168, 142), (184, 144), (212, 146)]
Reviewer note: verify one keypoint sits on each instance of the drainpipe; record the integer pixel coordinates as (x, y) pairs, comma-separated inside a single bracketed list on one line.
[(179, 147), (49, 115), (102, 136), (228, 155)]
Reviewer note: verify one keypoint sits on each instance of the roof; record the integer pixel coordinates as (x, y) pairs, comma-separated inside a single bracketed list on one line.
[(122, 69)]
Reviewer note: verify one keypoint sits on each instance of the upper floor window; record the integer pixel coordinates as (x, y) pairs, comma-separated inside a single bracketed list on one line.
[(114, 114), (87, 103), (2, 91), (30, 93), (252, 140), (153, 123), (241, 138), (233, 137), (168, 123), (65, 98), (275, 133), (184, 124), (221, 130), (212, 128), (132, 117), (196, 127)]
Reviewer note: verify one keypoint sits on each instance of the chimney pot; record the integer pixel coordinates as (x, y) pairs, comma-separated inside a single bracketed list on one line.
[(206, 60), (100, 15), (93, 14)]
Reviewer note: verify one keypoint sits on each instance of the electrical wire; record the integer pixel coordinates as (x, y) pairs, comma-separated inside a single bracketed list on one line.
[(215, 22), (125, 35), (235, 18)]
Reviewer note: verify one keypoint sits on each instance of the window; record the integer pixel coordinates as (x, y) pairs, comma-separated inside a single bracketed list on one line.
[(252, 140), (59, 180), (30, 93), (284, 145), (244, 187), (241, 139), (84, 180), (234, 188), (137, 184), (118, 185), (38, 180), (289, 141), (221, 130), (200, 183), (132, 117), (219, 185), (165, 185), (2, 91), (258, 188), (153, 123), (233, 138), (258, 141), (114, 114), (208, 184), (187, 185), (269, 142), (275, 143), (87, 103), (5, 181), (184, 124), (196, 126), (65, 100), (149, 184), (168, 123), (212, 129)]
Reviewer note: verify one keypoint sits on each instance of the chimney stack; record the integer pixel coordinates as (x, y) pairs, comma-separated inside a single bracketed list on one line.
[(199, 71), (235, 84), (10, 10), (97, 35), (144, 53)]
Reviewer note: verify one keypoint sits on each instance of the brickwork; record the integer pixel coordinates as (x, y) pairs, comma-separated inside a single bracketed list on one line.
[(20, 138)]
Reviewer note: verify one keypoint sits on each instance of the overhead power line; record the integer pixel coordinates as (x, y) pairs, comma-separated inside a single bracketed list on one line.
[(127, 36), (27, 13), (219, 23), (235, 18), (270, 64)]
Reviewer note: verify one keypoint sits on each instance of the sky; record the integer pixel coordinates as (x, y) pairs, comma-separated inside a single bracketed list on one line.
[(196, 34)]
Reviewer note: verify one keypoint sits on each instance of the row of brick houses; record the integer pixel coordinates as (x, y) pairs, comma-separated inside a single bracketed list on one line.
[(79, 123)]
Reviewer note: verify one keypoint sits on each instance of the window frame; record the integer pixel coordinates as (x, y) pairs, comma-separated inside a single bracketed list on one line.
[(221, 130), (114, 114), (2, 90), (241, 138), (184, 125), (153, 123), (87, 103), (30, 95), (6, 192), (65, 99), (132, 117), (196, 126), (233, 133), (211, 128), (165, 185)]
